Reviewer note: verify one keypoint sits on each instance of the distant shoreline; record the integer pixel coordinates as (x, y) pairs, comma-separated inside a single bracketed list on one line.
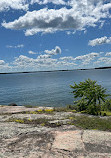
[(109, 67)]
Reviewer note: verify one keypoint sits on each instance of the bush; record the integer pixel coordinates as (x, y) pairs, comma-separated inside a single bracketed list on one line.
[(107, 105), (92, 95), (81, 105)]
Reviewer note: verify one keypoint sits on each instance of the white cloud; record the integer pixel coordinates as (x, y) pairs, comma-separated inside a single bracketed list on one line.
[(24, 63), (2, 62), (14, 4), (108, 54), (81, 15), (42, 62), (41, 2), (100, 41), (83, 59), (70, 32), (46, 20), (4, 66), (44, 56), (55, 51), (67, 58), (17, 46), (106, 60), (89, 56), (31, 52)]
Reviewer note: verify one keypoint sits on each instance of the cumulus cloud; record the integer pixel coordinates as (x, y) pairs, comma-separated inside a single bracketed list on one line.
[(47, 62), (13, 4), (48, 53), (42, 62), (26, 63), (44, 56), (2, 62), (4, 66), (100, 41), (108, 54), (84, 59), (105, 60), (31, 52), (41, 2), (55, 51), (17, 46), (89, 56), (67, 58), (79, 16), (46, 20)]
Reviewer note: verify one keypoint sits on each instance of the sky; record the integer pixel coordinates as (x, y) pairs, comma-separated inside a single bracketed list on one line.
[(45, 35)]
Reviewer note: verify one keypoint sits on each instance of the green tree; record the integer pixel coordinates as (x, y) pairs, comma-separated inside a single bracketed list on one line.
[(91, 94)]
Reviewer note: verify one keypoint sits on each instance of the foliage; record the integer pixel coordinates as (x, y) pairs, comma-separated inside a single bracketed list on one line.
[(93, 123), (29, 106), (68, 108), (107, 105), (105, 113), (49, 111), (92, 95)]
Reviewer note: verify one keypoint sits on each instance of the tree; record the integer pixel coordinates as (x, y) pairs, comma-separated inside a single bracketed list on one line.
[(91, 94)]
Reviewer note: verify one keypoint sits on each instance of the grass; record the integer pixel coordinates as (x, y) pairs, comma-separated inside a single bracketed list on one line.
[(49, 111), (108, 113), (82, 122), (30, 106), (29, 121), (64, 109), (39, 121), (40, 111), (91, 123)]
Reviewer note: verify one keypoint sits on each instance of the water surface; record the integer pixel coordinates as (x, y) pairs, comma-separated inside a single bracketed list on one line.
[(47, 88)]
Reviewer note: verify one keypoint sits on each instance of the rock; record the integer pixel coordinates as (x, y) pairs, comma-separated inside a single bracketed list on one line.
[(38, 141), (62, 122), (12, 104), (68, 141)]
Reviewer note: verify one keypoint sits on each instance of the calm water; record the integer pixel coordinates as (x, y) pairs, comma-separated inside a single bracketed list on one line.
[(47, 88)]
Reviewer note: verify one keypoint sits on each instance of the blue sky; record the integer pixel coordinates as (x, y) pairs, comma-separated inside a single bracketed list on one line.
[(39, 35)]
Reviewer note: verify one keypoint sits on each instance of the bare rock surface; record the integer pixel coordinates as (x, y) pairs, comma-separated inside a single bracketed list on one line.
[(17, 109), (19, 140)]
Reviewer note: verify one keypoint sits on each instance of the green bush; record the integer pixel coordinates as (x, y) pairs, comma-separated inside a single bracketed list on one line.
[(81, 105), (91, 96), (107, 105)]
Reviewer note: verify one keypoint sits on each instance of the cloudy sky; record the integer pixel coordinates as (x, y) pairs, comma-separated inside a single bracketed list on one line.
[(38, 35)]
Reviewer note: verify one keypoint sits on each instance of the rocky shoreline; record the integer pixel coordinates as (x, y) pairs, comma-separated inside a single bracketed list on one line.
[(24, 132)]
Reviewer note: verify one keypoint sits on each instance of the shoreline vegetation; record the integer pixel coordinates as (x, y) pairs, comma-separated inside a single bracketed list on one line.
[(80, 129), (56, 117), (88, 112), (108, 67)]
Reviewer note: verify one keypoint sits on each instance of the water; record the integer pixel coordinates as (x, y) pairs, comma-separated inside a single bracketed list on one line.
[(47, 88)]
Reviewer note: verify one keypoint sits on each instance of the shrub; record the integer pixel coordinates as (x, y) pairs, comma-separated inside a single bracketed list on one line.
[(92, 95), (107, 105)]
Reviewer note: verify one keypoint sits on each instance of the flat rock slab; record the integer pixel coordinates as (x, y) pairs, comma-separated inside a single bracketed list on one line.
[(17, 109), (97, 141), (68, 140), (20, 140), (36, 141)]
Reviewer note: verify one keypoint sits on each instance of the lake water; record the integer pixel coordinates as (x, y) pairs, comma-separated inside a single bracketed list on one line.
[(47, 88)]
